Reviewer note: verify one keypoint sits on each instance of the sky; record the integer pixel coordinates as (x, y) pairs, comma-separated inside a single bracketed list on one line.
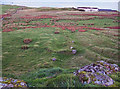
[(60, 0)]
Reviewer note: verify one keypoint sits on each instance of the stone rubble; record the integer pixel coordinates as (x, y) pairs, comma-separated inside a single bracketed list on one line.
[(97, 73), (54, 59), (74, 51), (10, 82)]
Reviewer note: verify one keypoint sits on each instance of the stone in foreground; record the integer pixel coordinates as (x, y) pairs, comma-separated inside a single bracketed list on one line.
[(97, 73)]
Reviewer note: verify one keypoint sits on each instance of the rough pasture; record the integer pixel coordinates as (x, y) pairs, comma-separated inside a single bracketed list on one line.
[(43, 48)]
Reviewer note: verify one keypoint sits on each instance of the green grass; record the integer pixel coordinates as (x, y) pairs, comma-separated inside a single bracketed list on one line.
[(42, 21), (52, 77), (46, 45), (8, 7), (54, 9), (116, 77), (35, 66), (18, 62), (97, 22)]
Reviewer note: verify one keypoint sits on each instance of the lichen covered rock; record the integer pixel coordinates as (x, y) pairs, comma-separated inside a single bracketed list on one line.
[(10, 82), (97, 73)]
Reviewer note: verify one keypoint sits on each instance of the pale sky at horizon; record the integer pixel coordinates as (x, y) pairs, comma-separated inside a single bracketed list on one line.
[(59, 1)]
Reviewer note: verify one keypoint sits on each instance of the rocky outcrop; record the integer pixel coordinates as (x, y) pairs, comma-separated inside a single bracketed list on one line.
[(97, 73), (10, 82)]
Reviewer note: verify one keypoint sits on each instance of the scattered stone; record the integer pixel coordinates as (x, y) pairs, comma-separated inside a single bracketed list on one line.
[(72, 41), (10, 82), (71, 47), (74, 51), (54, 59)]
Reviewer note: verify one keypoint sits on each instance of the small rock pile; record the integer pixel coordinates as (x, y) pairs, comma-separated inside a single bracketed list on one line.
[(97, 73), (10, 82), (27, 41), (24, 47)]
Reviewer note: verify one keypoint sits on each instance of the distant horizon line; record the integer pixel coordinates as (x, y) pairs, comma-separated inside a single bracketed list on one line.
[(58, 6), (65, 1), (51, 7)]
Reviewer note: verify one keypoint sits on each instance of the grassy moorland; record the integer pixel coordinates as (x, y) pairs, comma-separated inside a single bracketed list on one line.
[(8, 7), (35, 66)]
